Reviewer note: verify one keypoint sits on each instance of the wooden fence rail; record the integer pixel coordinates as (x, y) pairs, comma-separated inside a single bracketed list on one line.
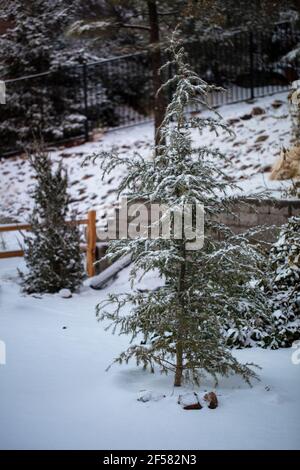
[(89, 248)]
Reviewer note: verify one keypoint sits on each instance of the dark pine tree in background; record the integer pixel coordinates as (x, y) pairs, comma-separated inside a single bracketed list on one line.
[(34, 43), (34, 36), (52, 249), (123, 26), (143, 18), (133, 25)]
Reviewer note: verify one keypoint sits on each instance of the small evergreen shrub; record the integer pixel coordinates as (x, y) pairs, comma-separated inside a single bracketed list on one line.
[(52, 248)]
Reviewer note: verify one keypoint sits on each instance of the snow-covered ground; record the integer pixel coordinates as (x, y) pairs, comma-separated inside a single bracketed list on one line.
[(252, 152), (55, 392)]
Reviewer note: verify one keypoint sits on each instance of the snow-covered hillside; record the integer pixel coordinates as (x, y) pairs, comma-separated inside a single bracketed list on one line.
[(261, 129), (55, 392)]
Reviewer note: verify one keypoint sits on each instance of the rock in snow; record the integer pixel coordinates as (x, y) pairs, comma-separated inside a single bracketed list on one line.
[(65, 293), (189, 401), (257, 111), (211, 399)]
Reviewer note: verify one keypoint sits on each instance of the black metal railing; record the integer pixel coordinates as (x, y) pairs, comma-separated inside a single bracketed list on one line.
[(70, 101)]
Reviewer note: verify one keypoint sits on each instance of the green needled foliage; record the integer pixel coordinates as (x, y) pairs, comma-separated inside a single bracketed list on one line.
[(284, 287), (52, 248)]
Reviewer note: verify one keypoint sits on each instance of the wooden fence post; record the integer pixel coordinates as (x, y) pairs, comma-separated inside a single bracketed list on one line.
[(91, 243)]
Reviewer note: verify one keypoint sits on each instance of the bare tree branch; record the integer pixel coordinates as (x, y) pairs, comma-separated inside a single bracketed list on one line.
[(134, 26)]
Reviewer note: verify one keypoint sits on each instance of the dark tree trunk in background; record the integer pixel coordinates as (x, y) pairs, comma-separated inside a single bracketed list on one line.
[(155, 53)]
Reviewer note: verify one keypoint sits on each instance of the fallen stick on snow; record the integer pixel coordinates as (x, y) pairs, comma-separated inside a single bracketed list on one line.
[(99, 281)]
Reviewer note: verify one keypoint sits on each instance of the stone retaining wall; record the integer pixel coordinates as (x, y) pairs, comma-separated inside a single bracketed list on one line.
[(250, 213), (266, 212)]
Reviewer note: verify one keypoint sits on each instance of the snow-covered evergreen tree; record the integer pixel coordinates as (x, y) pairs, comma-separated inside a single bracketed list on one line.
[(285, 285), (34, 36), (35, 43), (182, 324), (52, 248), (281, 284)]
